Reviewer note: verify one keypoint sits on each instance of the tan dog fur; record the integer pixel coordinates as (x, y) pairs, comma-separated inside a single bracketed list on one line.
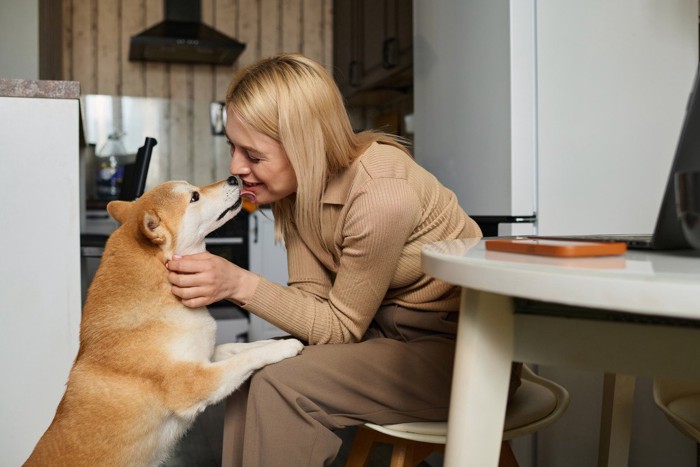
[(147, 364)]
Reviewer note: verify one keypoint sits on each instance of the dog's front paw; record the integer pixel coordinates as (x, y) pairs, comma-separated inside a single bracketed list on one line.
[(289, 347)]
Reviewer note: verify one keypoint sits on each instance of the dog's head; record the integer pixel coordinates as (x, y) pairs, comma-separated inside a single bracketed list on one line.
[(176, 216)]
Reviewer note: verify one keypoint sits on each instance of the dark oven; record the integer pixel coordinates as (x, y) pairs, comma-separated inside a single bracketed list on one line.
[(230, 241)]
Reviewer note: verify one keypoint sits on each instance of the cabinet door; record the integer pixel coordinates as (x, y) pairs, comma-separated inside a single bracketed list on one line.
[(388, 37), (374, 31), (268, 260), (372, 44), (343, 46)]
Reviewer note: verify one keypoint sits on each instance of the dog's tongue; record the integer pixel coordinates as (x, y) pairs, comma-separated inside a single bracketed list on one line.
[(249, 195)]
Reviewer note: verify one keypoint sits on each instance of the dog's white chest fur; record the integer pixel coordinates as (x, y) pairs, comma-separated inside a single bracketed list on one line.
[(196, 342)]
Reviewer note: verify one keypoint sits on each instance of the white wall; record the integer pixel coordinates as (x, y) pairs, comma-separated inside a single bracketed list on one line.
[(19, 39)]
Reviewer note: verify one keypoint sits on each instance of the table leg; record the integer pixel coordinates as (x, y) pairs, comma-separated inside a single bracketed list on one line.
[(616, 420), (484, 353)]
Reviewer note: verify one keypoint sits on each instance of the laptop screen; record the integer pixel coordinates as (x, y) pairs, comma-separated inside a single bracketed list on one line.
[(668, 234)]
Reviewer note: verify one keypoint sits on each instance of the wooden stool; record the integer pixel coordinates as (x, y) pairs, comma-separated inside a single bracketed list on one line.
[(536, 404)]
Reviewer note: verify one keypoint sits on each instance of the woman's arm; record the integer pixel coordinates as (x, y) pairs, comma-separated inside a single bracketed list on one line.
[(321, 308)]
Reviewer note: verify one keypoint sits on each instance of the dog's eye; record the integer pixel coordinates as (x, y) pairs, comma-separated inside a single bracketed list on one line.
[(195, 197)]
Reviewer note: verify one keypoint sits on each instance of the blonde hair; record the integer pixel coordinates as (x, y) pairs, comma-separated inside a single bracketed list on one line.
[(294, 100)]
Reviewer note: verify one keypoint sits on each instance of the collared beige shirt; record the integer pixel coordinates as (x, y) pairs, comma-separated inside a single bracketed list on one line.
[(376, 216)]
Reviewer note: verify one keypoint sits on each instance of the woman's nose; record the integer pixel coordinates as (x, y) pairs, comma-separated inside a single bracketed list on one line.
[(237, 167)]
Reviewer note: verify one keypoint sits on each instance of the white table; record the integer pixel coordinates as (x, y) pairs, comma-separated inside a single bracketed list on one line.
[(632, 314)]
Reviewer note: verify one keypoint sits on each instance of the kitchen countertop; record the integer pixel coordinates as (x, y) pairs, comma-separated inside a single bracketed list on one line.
[(41, 89)]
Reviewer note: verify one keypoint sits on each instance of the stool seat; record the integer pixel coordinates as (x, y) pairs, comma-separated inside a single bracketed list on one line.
[(537, 403), (680, 402)]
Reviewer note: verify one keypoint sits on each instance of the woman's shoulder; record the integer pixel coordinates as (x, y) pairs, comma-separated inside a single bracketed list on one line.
[(381, 160)]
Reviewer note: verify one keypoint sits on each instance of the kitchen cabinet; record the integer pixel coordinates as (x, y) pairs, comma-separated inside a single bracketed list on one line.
[(372, 45), (40, 268)]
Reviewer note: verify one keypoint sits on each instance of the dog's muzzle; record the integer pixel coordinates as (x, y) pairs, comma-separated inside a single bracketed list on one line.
[(232, 181)]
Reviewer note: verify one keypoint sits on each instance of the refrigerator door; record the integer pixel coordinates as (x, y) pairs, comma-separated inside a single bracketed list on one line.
[(474, 104)]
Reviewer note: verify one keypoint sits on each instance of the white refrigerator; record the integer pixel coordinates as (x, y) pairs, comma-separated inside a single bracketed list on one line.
[(559, 117), (558, 113)]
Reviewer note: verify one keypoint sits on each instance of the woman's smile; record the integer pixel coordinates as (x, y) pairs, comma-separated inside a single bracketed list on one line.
[(260, 161)]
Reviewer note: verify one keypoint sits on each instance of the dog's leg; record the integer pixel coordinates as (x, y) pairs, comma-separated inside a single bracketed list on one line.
[(239, 368), (210, 383), (224, 351)]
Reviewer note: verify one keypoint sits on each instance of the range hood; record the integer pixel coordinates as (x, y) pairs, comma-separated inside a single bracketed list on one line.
[(183, 38)]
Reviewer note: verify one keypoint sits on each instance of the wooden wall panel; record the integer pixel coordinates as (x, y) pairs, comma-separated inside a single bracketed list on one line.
[(132, 74), (181, 156), (155, 73), (249, 31), (67, 41), (96, 35), (327, 36), (226, 20), (291, 26), (313, 29), (84, 45), (108, 37), (270, 40)]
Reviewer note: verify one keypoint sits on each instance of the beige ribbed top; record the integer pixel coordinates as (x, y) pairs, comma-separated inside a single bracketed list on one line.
[(376, 216)]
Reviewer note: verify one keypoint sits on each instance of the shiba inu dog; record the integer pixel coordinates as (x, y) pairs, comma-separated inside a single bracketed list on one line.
[(147, 365)]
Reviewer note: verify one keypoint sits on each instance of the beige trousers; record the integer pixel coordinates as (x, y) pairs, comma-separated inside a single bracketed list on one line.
[(287, 414)]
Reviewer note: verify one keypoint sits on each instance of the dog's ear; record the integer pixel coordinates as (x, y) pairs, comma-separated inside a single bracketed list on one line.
[(119, 210), (152, 228)]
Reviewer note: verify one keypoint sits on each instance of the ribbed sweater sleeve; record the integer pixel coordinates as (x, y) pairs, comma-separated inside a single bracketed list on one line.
[(378, 221), (377, 216)]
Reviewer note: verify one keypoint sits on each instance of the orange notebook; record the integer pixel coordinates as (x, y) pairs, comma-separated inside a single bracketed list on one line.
[(558, 248)]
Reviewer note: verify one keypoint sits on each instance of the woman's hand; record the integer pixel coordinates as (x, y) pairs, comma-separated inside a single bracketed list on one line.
[(203, 278)]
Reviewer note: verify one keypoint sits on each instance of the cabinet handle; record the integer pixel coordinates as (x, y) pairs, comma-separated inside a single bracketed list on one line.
[(354, 73), (390, 53), (255, 229)]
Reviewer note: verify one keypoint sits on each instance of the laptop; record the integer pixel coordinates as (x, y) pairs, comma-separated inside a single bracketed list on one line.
[(668, 233)]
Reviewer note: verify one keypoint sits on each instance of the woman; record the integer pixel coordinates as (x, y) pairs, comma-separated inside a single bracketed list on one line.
[(353, 211)]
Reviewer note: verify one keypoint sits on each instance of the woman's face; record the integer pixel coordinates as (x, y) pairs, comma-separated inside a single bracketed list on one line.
[(260, 161)]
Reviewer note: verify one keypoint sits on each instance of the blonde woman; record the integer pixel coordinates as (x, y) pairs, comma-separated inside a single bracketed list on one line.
[(353, 211)]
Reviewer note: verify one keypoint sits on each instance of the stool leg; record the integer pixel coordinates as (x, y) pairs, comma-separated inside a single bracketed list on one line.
[(407, 453), (402, 454), (361, 447), (507, 458)]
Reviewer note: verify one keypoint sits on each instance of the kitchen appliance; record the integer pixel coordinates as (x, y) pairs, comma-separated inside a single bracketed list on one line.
[(230, 241), (687, 191), (183, 38), (552, 117)]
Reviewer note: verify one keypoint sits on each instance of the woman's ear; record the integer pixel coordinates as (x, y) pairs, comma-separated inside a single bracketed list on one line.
[(119, 210)]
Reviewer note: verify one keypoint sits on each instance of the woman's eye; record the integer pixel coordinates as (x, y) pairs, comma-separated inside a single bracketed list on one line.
[(195, 197)]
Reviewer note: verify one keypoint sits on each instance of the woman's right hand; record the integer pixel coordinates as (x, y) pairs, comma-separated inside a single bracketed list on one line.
[(205, 278)]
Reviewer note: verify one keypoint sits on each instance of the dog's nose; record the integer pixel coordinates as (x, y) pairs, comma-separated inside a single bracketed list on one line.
[(232, 180)]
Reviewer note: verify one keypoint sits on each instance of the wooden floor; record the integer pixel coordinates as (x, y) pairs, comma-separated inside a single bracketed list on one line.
[(201, 446)]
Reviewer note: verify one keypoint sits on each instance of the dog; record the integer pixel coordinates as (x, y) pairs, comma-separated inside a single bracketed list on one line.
[(147, 365)]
